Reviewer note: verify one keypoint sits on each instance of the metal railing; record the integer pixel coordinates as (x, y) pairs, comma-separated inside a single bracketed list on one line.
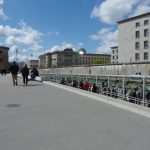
[(133, 88)]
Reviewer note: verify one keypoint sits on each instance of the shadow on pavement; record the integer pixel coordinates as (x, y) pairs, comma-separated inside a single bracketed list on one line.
[(31, 85)]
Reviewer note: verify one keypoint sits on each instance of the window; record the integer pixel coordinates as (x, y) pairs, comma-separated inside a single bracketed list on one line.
[(113, 57), (113, 51), (146, 22), (146, 44), (146, 33), (137, 24), (1, 52), (116, 57), (137, 34), (137, 45), (145, 55), (117, 51), (137, 56)]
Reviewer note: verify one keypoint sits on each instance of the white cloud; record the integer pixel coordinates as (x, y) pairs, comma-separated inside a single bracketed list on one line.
[(20, 57), (2, 14), (62, 46), (56, 33), (111, 11), (22, 36), (141, 9), (1, 2), (106, 38)]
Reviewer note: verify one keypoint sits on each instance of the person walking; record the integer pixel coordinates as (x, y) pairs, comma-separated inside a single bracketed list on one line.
[(14, 71), (25, 73)]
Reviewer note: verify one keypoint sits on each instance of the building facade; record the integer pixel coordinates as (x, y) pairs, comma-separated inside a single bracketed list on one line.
[(88, 58), (4, 58), (33, 63), (114, 56), (45, 60), (134, 39), (67, 57)]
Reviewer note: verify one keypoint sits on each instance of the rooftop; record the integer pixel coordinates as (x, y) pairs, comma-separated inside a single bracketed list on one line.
[(134, 18)]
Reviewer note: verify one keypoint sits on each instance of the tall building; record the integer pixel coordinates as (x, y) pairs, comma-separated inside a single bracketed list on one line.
[(134, 39), (4, 57), (114, 56)]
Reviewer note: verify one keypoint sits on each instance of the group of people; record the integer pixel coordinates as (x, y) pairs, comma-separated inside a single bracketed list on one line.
[(14, 69), (82, 85)]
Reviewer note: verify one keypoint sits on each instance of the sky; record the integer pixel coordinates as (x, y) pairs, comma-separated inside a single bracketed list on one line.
[(34, 27)]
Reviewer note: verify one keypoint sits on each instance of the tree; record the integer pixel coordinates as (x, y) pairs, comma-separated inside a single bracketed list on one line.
[(98, 62)]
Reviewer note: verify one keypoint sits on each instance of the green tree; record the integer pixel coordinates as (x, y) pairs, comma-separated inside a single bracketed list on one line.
[(98, 62)]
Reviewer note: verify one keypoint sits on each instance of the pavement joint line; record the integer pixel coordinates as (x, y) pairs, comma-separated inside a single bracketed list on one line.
[(141, 110)]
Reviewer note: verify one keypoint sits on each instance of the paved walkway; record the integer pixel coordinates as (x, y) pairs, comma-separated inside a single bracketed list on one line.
[(44, 117)]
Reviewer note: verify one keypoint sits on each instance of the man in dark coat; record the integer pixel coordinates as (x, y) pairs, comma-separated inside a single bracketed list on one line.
[(14, 71), (25, 73)]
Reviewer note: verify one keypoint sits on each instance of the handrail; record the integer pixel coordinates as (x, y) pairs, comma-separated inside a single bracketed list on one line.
[(125, 85)]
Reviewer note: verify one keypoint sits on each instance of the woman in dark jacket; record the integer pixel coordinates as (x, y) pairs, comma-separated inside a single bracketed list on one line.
[(25, 73)]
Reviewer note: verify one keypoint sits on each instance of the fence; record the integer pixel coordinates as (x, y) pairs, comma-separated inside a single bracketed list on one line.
[(133, 88)]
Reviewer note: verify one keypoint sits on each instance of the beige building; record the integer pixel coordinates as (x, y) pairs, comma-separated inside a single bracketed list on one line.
[(4, 57), (87, 58), (67, 57), (94, 59), (45, 60), (134, 39)]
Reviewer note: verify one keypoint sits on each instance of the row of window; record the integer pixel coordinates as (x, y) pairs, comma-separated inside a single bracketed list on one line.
[(146, 45), (93, 58), (145, 56), (89, 62), (113, 51), (114, 57), (146, 33), (146, 22)]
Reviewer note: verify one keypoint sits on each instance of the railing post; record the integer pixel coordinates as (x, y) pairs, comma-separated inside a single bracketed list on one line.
[(108, 81), (86, 77), (143, 91), (96, 80), (78, 82), (123, 87)]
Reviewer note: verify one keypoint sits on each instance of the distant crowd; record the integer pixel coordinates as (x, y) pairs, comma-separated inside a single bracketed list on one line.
[(133, 95)]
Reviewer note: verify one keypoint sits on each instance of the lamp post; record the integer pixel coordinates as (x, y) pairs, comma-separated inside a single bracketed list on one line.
[(16, 54)]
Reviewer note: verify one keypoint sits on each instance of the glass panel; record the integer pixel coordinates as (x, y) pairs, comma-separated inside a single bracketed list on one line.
[(116, 86), (147, 92), (102, 82), (134, 89)]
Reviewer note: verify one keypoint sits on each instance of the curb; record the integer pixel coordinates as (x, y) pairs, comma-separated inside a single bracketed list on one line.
[(137, 109)]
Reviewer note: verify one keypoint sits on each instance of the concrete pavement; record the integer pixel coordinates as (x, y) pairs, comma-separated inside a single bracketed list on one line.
[(45, 117)]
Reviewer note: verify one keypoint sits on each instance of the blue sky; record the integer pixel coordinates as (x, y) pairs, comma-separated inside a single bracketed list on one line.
[(38, 26)]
